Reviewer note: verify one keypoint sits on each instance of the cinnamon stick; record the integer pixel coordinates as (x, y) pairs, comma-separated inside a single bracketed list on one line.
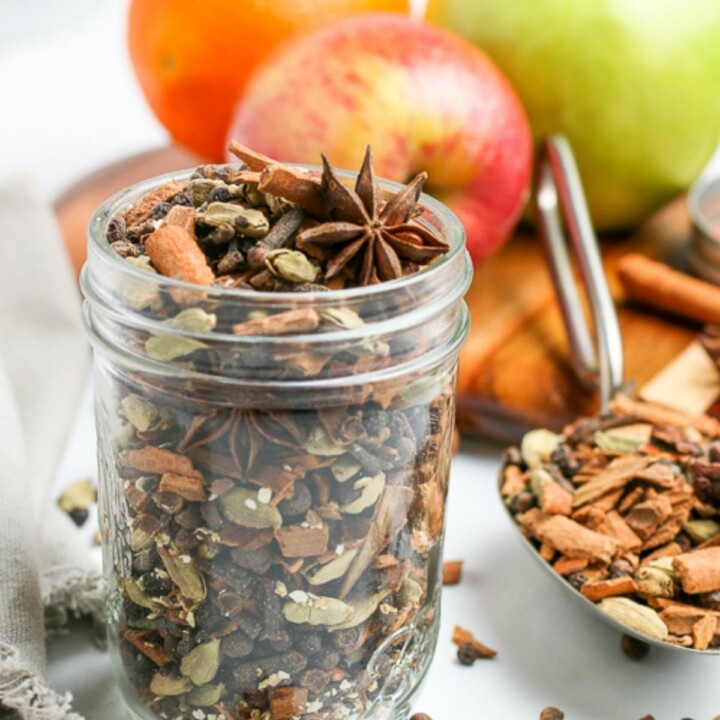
[(624, 406), (175, 253), (254, 160), (659, 286), (295, 185)]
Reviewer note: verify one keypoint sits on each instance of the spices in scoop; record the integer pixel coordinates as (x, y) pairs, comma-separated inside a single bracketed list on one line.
[(636, 537)]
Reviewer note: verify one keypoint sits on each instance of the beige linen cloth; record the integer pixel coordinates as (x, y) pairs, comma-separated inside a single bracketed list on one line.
[(45, 568)]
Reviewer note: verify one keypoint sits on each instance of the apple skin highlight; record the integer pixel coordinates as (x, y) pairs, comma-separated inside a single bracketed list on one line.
[(424, 98)]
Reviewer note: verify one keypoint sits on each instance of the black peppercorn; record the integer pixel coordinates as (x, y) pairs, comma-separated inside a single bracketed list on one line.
[(160, 210), (182, 198), (467, 654), (577, 580), (219, 194), (79, 516), (156, 586)]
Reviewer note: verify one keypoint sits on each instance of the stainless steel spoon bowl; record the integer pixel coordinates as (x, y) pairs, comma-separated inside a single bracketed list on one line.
[(590, 606), (597, 356)]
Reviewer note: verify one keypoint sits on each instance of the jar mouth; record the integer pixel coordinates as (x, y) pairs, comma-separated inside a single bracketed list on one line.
[(97, 243), (359, 335)]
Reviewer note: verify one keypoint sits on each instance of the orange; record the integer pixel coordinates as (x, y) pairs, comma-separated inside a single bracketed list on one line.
[(193, 59)]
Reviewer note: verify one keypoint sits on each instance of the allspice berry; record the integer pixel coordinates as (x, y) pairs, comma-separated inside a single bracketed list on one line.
[(552, 713)]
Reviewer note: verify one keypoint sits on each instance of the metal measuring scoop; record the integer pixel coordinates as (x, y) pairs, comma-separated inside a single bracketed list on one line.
[(597, 355)]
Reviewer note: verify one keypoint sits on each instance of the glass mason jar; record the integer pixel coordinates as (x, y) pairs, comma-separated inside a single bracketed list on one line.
[(273, 473)]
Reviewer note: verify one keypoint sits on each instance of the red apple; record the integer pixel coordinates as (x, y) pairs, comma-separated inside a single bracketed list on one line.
[(424, 98)]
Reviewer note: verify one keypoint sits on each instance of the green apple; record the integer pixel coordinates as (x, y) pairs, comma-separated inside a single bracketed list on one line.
[(633, 84)]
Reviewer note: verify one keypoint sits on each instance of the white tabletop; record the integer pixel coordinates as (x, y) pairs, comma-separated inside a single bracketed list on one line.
[(69, 104)]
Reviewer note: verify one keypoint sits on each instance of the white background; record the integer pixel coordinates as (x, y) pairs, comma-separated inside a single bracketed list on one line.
[(69, 104)]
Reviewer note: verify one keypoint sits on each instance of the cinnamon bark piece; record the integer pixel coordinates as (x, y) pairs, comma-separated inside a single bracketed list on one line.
[(596, 591), (175, 253), (681, 618), (712, 542), (297, 186), (552, 497), (247, 538), (648, 515), (571, 538), (703, 632), (189, 488), (182, 216), (253, 159), (590, 516), (614, 477), (290, 321), (616, 527), (287, 702), (568, 566), (608, 501), (297, 541), (659, 475), (547, 551), (668, 530), (664, 603), (514, 481), (452, 572), (142, 209), (632, 498), (699, 571), (158, 461), (658, 415)]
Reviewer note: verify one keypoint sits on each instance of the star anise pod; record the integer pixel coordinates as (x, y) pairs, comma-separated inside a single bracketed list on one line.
[(375, 238)]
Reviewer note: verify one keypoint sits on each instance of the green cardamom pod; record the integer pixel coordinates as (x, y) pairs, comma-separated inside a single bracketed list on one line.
[(202, 662), (243, 507), (291, 265), (246, 221)]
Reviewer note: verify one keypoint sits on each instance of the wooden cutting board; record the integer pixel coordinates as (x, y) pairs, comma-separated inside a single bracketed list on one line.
[(515, 370)]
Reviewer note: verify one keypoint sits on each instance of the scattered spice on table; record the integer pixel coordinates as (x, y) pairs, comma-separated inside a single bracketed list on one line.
[(462, 637), (77, 499), (452, 572)]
